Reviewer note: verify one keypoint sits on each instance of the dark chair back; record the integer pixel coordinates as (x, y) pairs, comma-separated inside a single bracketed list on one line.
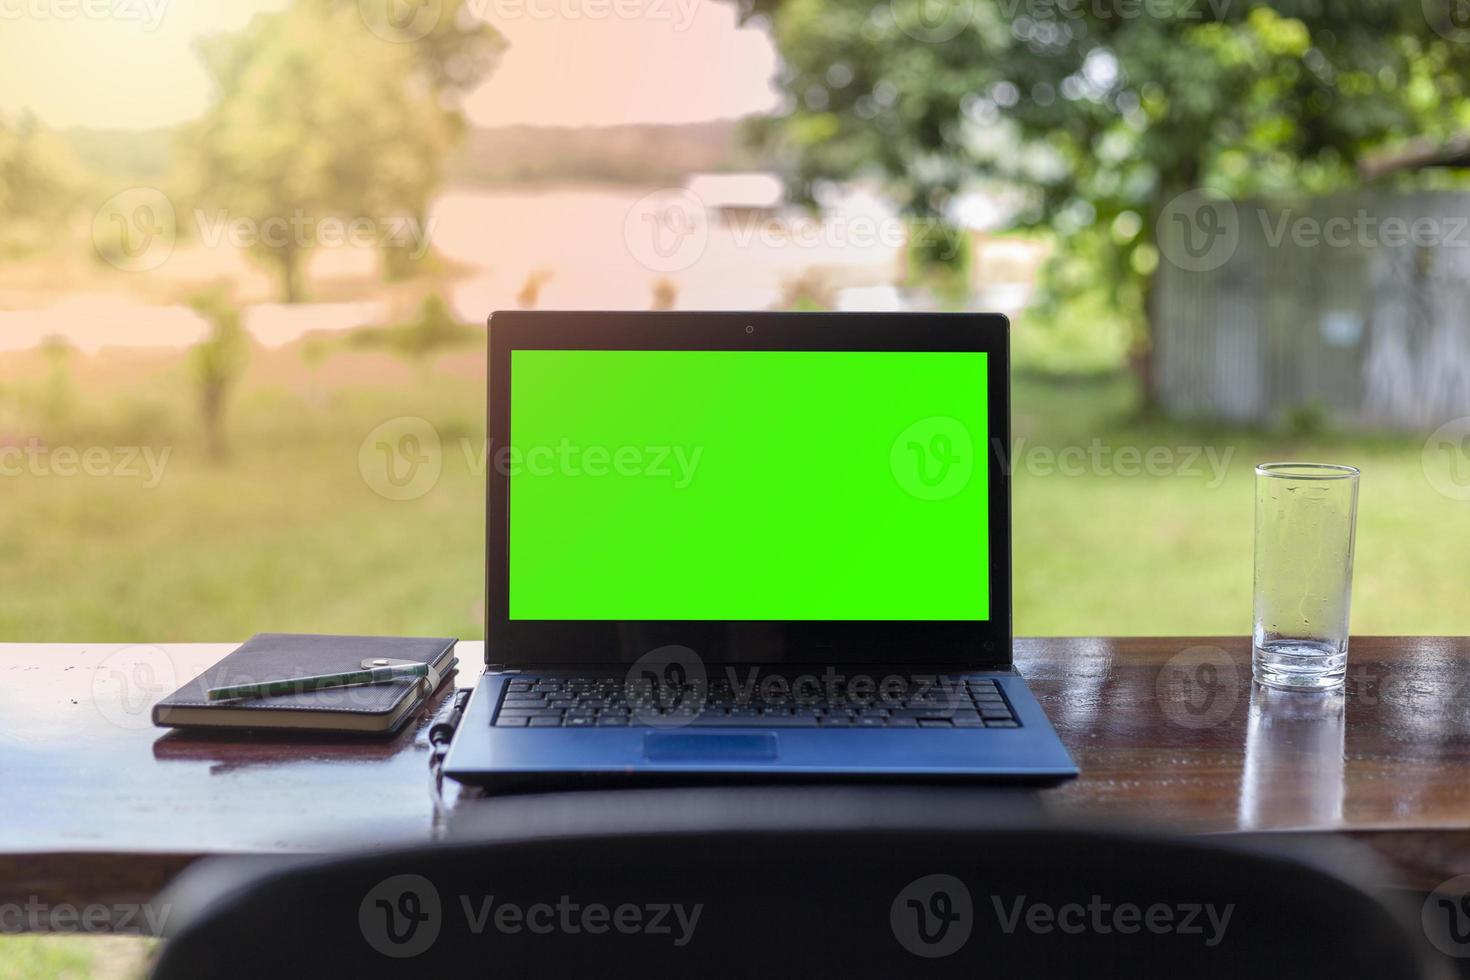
[(808, 885)]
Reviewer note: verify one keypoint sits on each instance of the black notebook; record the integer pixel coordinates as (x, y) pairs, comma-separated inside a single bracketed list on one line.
[(366, 709)]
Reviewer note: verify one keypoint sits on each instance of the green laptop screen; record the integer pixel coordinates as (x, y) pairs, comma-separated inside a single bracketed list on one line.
[(747, 485)]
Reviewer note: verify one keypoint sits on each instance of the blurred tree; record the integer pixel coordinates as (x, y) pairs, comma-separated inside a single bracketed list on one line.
[(316, 116), (454, 54), (40, 180), (1107, 111), (217, 363)]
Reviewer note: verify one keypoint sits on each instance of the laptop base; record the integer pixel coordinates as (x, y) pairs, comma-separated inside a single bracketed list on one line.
[(499, 758)]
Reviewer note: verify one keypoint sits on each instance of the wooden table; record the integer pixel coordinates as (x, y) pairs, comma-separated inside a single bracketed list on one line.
[(97, 805)]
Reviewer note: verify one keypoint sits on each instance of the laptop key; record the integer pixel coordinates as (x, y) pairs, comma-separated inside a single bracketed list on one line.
[(742, 722), (934, 723), (504, 722), (902, 723), (924, 713), (1001, 724), (579, 721), (611, 721), (546, 721)]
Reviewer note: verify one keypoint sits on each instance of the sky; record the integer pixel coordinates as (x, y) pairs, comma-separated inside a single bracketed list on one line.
[(130, 64)]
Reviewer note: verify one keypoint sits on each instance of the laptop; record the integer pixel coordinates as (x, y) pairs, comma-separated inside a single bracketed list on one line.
[(749, 545)]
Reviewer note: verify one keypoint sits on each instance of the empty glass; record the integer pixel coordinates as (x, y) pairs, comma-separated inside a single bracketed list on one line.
[(1306, 514)]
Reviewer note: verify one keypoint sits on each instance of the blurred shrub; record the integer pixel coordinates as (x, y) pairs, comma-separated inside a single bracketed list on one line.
[(59, 398), (939, 259), (1085, 334), (433, 331), (811, 291), (1309, 421)]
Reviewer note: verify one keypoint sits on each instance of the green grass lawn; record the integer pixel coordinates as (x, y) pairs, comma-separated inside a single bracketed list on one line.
[(1105, 553), (285, 535), (73, 958), (289, 535), (27, 957)]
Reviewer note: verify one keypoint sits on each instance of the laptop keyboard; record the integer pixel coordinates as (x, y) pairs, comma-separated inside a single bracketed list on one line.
[(592, 702)]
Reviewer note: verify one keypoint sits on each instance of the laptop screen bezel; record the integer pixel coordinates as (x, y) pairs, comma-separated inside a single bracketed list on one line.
[(967, 643)]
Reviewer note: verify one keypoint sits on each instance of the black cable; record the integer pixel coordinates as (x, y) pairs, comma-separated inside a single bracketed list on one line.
[(441, 736)]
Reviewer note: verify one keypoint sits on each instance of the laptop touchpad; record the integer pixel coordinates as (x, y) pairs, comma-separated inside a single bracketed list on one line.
[(709, 746)]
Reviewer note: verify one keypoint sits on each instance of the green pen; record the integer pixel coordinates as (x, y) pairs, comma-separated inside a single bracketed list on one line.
[(296, 685)]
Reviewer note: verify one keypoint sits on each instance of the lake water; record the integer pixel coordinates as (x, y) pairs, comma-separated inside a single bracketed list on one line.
[(581, 247)]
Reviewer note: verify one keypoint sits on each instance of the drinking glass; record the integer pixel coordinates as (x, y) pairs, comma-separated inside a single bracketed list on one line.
[(1305, 520)]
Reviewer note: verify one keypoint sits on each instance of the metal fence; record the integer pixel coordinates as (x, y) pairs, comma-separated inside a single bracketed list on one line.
[(1355, 306)]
